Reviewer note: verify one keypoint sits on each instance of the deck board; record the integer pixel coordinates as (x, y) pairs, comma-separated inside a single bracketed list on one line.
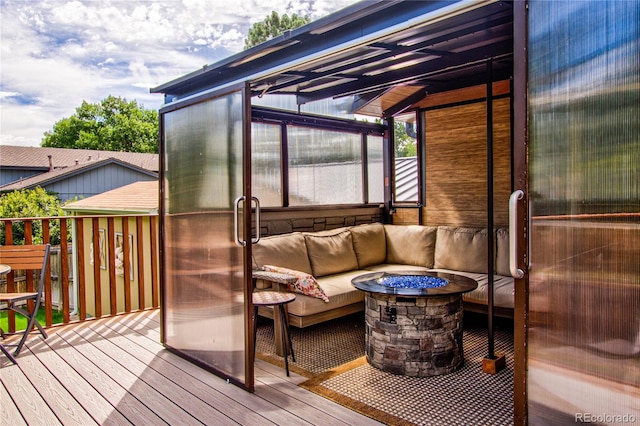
[(96, 406), (67, 409), (153, 369), (148, 386), (9, 412), (114, 371), (142, 392), (122, 402), (26, 398), (266, 409)]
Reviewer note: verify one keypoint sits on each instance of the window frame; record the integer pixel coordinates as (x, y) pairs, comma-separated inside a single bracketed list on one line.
[(285, 119)]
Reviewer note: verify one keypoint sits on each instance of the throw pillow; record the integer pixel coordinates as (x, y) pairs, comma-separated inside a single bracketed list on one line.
[(306, 283)]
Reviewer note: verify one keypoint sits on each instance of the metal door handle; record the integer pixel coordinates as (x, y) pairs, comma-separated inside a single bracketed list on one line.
[(513, 239), (257, 238), (236, 232)]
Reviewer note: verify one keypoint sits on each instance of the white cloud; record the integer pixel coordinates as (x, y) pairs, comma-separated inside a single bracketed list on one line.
[(4, 94), (56, 53)]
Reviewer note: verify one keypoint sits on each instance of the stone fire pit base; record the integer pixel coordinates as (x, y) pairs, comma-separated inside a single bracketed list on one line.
[(414, 336)]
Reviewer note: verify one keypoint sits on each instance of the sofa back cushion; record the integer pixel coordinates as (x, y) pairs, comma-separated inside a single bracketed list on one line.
[(461, 249), (288, 251), (370, 244), (502, 252), (410, 244), (331, 253)]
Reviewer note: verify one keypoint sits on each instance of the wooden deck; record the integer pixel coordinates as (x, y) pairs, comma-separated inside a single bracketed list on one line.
[(115, 371)]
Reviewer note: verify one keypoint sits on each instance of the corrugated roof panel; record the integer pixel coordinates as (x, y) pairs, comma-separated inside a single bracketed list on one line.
[(406, 179), (367, 48)]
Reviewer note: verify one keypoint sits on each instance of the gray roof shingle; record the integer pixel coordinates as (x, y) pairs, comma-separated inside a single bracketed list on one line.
[(45, 178), (38, 157)]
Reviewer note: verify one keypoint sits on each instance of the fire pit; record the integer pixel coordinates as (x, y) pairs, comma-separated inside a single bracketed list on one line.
[(414, 321), (412, 281)]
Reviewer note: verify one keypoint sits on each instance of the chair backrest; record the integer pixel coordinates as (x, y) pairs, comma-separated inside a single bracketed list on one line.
[(27, 257)]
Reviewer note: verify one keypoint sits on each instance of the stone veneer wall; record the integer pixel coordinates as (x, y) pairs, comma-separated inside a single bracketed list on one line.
[(283, 222)]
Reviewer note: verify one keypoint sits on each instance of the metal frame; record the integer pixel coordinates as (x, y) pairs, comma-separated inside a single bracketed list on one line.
[(246, 227)]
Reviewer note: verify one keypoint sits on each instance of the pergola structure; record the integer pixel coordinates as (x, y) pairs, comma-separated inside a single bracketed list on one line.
[(523, 110), (386, 55), (379, 58)]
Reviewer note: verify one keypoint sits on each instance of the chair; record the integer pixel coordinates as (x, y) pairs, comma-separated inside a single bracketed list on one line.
[(26, 257)]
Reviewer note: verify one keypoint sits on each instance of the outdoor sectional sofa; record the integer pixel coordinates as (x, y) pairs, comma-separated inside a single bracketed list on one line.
[(334, 257)]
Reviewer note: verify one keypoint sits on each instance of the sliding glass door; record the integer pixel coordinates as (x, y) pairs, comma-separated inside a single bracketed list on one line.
[(205, 221), (584, 164)]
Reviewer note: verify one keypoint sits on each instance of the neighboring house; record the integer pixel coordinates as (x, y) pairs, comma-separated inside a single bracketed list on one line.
[(135, 198), (137, 203), (73, 172)]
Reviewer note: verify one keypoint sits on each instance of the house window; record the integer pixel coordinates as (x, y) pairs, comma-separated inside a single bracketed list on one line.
[(304, 160)]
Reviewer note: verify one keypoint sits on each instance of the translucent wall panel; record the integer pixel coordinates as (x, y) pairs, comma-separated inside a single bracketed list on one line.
[(341, 107), (203, 300), (375, 169), (584, 147), (325, 167), (266, 173), (203, 165)]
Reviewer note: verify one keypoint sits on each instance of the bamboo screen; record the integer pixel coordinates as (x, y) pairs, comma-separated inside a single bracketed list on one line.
[(456, 162)]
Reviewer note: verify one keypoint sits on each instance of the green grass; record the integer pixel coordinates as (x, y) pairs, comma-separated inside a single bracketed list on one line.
[(21, 322)]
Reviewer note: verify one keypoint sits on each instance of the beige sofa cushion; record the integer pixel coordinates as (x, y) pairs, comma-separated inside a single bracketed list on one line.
[(395, 267), (331, 254), (339, 290), (410, 244), (370, 244), (288, 250), (502, 252), (461, 249), (503, 291), (327, 232)]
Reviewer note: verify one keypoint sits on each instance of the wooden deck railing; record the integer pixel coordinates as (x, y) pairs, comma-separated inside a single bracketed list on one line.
[(108, 265)]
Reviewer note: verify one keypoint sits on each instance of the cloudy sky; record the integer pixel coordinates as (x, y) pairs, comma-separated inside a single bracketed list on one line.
[(56, 53)]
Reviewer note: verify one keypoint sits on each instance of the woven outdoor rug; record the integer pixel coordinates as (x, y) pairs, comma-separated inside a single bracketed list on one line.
[(332, 355), (317, 348)]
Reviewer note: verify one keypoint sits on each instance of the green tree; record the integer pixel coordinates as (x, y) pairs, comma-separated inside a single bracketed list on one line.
[(114, 124), (273, 26), (31, 203), (405, 145)]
